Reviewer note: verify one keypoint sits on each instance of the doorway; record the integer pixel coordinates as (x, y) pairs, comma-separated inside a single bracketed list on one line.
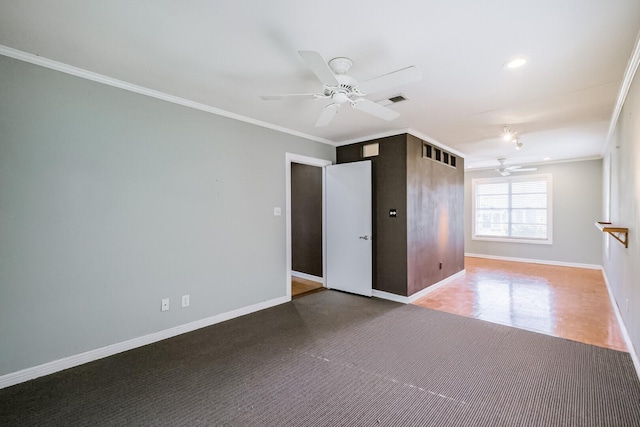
[(312, 258), (350, 225), (306, 229)]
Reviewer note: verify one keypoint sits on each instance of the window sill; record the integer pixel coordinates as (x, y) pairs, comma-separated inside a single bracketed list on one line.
[(513, 240)]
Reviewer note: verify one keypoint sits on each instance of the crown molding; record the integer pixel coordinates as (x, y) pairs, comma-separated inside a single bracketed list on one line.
[(539, 163), (372, 137), (629, 74), (409, 131), (141, 90), (434, 141)]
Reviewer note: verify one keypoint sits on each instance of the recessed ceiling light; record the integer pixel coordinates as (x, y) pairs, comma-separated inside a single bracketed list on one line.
[(546, 158), (514, 63)]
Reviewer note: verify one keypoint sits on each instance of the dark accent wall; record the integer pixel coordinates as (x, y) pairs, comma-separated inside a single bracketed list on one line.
[(435, 218), (390, 234), (428, 228), (306, 219)]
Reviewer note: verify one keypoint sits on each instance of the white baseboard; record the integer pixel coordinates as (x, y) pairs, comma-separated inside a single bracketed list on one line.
[(436, 286), (389, 296), (623, 327), (307, 276), (13, 378), (537, 261), (411, 298)]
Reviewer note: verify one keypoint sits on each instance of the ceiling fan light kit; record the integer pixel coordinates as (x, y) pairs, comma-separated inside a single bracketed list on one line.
[(340, 65), (341, 88)]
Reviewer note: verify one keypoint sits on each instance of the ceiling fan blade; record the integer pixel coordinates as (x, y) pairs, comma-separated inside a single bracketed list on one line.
[(374, 109), (290, 95), (327, 115), (319, 66), (525, 169), (388, 81)]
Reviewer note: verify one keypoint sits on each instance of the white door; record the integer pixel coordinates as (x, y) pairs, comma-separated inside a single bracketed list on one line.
[(349, 225)]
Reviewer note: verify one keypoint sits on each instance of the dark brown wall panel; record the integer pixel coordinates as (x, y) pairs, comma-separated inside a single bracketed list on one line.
[(306, 219), (435, 224), (428, 197), (389, 192)]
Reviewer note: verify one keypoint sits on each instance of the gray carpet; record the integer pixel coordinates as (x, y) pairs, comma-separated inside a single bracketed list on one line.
[(333, 359)]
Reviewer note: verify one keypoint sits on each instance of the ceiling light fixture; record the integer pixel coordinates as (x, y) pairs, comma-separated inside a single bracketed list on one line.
[(514, 63), (506, 133), (512, 136)]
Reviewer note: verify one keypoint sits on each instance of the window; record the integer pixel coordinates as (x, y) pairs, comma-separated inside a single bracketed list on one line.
[(513, 209), (438, 155)]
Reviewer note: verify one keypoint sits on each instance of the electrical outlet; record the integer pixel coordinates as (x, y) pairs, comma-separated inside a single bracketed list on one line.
[(165, 304), (185, 300)]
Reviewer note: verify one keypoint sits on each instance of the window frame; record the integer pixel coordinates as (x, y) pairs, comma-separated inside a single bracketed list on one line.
[(510, 179)]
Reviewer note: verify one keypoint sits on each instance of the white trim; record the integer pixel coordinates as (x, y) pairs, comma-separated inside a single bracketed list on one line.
[(312, 161), (630, 72), (429, 289), (623, 327), (434, 141), (307, 276), (371, 137), (13, 378), (409, 131), (389, 296), (536, 261), (537, 163), (99, 78), (436, 286)]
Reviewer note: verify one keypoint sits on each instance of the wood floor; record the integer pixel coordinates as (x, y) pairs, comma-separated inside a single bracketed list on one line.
[(566, 302), (301, 287)]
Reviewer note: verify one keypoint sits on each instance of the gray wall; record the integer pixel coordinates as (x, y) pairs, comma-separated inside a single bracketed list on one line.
[(577, 205), (111, 201), (622, 181)]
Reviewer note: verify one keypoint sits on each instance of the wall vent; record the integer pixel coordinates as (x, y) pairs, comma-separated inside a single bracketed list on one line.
[(438, 155)]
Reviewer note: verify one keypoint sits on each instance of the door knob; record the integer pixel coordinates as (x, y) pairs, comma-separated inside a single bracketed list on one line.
[(366, 237)]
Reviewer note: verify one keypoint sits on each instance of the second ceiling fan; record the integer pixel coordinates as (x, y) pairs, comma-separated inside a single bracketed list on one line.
[(508, 170), (341, 88)]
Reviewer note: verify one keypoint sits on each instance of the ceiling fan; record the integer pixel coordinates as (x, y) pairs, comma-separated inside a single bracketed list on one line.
[(341, 88), (506, 170)]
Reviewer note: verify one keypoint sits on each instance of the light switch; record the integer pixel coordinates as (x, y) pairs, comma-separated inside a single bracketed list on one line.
[(277, 211)]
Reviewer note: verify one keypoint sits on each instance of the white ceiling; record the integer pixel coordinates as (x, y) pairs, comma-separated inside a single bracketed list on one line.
[(225, 53)]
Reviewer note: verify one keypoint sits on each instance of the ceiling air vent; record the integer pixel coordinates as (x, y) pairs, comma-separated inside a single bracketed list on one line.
[(397, 98), (392, 100)]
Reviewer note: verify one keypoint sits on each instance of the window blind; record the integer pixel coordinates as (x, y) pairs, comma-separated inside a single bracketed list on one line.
[(512, 208)]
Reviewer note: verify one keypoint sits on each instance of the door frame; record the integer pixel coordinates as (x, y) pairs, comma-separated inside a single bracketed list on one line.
[(311, 161)]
